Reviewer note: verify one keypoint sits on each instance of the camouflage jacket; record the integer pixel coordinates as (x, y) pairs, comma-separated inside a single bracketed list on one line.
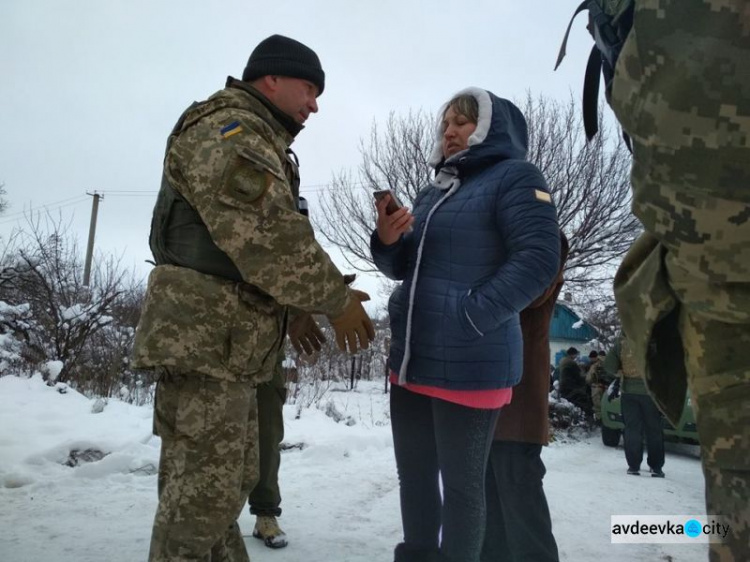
[(596, 374), (228, 161), (689, 128), (621, 362)]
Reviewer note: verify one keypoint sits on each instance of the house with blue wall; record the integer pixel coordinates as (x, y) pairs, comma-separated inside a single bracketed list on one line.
[(568, 329)]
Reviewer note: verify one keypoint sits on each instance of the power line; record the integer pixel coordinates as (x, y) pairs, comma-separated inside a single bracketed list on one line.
[(121, 191), (13, 217), (44, 206), (110, 194), (316, 188), (308, 186)]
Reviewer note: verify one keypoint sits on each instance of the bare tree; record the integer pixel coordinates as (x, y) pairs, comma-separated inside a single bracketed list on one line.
[(45, 274), (394, 158), (3, 201), (596, 304), (589, 182)]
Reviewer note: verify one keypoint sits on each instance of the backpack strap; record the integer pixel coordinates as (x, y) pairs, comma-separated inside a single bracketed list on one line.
[(600, 26), (591, 93), (561, 55)]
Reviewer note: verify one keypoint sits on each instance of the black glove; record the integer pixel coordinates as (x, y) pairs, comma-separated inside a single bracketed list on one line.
[(614, 390)]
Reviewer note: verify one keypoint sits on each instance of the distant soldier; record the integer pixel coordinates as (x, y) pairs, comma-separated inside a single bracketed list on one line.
[(597, 379), (573, 383), (682, 92), (639, 413), (233, 257)]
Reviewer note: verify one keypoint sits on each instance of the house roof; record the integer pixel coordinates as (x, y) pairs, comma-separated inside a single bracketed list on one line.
[(567, 325)]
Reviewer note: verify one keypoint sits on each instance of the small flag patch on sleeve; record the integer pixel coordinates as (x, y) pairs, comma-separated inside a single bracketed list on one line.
[(543, 196), (232, 129)]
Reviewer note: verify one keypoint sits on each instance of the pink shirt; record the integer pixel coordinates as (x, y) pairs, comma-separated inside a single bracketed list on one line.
[(481, 399)]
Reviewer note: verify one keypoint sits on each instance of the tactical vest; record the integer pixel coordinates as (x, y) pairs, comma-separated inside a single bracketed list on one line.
[(178, 234)]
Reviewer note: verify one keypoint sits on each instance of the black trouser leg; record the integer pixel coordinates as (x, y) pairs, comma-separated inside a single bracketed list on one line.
[(416, 462), (432, 437), (463, 436), (633, 433), (495, 545), (519, 527), (654, 433)]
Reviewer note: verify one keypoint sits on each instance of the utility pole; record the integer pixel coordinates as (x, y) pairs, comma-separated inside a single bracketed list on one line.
[(92, 232)]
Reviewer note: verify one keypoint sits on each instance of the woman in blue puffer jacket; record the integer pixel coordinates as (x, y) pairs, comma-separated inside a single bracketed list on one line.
[(482, 243)]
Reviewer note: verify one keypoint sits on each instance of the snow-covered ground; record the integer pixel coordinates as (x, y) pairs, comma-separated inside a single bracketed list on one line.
[(340, 494)]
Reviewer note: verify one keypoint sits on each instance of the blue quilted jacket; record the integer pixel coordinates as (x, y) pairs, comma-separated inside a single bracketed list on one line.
[(483, 247)]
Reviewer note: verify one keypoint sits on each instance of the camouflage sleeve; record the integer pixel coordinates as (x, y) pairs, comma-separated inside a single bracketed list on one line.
[(612, 363), (235, 180)]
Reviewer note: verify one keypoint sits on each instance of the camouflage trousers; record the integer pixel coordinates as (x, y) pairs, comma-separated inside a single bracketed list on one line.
[(681, 92), (208, 465), (597, 391), (717, 357)]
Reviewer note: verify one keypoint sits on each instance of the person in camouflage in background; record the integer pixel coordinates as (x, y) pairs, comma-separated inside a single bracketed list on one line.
[(682, 92), (233, 258), (598, 381), (640, 415)]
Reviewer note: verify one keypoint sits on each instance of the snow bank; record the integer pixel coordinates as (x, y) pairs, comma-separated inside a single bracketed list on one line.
[(338, 483)]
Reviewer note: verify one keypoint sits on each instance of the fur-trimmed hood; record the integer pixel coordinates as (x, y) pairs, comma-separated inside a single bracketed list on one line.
[(501, 133)]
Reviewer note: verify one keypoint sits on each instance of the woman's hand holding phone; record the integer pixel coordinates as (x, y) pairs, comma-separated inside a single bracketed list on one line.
[(393, 219)]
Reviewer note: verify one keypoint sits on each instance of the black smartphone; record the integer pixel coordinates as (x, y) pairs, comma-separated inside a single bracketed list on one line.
[(393, 205)]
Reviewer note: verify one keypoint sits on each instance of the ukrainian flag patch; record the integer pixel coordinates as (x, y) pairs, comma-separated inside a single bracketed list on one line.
[(232, 129)]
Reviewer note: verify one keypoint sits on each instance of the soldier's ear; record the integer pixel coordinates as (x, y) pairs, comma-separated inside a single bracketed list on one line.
[(273, 82), (267, 85)]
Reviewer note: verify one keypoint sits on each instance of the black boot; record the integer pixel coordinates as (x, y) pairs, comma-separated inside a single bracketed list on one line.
[(406, 553)]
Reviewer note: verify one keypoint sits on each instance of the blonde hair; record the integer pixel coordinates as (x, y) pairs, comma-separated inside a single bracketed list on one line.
[(465, 105)]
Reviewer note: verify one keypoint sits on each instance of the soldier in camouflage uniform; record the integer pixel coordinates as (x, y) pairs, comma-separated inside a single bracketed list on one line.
[(598, 380), (682, 93), (639, 413), (233, 256)]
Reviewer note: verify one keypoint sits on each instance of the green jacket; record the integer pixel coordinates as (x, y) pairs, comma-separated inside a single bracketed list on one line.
[(620, 362), (227, 159)]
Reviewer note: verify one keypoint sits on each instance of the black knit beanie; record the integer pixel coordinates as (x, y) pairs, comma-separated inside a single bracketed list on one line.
[(283, 56)]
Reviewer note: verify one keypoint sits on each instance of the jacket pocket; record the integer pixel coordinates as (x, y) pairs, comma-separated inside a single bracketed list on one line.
[(184, 322), (195, 322), (458, 323), (255, 339)]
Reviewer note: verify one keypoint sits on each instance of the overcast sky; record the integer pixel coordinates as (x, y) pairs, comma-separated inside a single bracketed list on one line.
[(89, 89)]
